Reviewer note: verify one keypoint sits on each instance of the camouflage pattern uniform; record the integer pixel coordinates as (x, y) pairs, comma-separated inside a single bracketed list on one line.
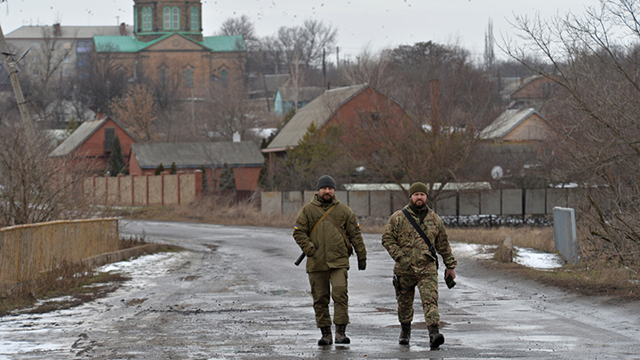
[(415, 266), (327, 256)]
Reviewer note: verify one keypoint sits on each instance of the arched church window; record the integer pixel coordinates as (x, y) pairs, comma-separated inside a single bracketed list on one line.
[(195, 19), (166, 16), (147, 19), (224, 75), (175, 22), (188, 78)]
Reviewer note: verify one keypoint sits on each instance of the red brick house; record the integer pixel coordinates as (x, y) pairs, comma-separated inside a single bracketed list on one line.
[(348, 107), (91, 144), (244, 158)]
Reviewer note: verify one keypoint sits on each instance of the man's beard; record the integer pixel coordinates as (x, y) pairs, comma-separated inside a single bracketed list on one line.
[(326, 198), (424, 204)]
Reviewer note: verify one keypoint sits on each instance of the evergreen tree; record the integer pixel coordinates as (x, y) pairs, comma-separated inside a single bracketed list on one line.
[(116, 159), (159, 169), (227, 179), (204, 178), (173, 169)]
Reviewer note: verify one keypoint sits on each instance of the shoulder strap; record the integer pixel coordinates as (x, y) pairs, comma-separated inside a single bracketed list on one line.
[(324, 215), (424, 237), (333, 221)]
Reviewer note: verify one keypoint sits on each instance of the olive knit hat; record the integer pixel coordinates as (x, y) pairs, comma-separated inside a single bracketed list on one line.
[(326, 180), (418, 187)]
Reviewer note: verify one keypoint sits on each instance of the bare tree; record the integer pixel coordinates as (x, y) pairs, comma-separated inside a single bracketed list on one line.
[(301, 48), (102, 79), (135, 110), (595, 65), (34, 187)]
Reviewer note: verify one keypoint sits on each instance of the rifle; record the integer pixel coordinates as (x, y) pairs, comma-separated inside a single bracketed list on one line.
[(300, 258)]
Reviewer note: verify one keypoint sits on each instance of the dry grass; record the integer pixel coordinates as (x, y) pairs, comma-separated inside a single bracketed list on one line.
[(539, 238), (70, 281), (214, 210)]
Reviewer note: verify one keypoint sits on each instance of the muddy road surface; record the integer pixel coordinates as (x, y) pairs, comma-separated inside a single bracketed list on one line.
[(236, 294)]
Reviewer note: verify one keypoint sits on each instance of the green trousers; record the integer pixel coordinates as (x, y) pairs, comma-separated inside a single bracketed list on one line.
[(326, 285), (428, 287)]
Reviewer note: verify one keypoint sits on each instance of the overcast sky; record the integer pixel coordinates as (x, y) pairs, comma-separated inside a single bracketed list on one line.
[(374, 23)]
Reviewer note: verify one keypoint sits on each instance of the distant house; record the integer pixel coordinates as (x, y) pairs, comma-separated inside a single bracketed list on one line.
[(290, 97), (512, 145), (266, 86), (72, 44), (91, 144), (518, 125), (532, 91), (347, 106), (243, 157)]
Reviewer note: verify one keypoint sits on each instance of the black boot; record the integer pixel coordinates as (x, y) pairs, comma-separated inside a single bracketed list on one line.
[(435, 338), (405, 334), (341, 338), (326, 338)]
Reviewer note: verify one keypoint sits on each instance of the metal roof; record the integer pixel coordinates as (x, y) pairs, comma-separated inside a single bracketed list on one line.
[(318, 111), (69, 32), (225, 43), (453, 186), (193, 155), (305, 94), (122, 43), (132, 44), (78, 137), (506, 122)]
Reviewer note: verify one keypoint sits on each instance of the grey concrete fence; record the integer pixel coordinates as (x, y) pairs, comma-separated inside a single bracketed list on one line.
[(457, 203)]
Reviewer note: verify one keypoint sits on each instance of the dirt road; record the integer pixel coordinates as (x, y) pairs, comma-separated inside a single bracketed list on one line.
[(237, 295)]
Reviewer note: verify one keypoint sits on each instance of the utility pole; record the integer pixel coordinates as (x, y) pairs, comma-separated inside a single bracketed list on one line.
[(11, 66)]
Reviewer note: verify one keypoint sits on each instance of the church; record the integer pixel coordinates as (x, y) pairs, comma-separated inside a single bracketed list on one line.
[(169, 50)]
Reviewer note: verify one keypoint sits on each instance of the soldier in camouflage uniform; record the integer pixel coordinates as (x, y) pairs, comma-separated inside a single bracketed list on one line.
[(415, 265), (327, 245)]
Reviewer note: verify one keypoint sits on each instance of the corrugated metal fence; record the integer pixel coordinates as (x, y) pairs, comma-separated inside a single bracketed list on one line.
[(28, 250)]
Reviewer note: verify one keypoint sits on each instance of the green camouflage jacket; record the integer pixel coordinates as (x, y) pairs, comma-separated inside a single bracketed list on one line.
[(326, 248), (408, 249)]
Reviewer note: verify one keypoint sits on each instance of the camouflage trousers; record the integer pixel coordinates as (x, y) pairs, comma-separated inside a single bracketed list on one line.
[(405, 292), (326, 285)]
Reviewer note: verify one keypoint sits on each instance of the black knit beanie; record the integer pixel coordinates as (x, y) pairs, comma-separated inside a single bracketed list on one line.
[(326, 180)]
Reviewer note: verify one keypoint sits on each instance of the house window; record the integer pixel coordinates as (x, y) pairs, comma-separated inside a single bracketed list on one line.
[(65, 72), (195, 19), (67, 58), (188, 78), (35, 72), (84, 46), (109, 135), (147, 20), (224, 75), (135, 19)]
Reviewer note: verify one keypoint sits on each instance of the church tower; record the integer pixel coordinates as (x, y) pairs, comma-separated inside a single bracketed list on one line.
[(155, 18)]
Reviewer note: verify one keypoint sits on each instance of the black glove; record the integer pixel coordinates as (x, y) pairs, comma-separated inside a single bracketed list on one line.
[(362, 264)]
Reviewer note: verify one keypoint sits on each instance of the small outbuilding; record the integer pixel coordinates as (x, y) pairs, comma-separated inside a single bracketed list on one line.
[(91, 144), (244, 158)]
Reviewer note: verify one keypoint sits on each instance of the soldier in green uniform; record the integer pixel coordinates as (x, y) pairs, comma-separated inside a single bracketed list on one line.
[(416, 265), (327, 231)]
